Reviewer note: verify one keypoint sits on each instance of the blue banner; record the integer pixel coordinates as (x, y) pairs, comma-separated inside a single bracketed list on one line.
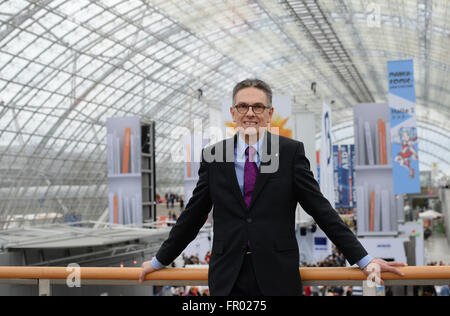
[(352, 188), (344, 175), (404, 139), (345, 169), (336, 172), (318, 165)]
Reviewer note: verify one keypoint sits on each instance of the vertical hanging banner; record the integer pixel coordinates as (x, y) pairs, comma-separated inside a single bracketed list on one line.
[(337, 176), (352, 188), (402, 103), (345, 174), (318, 165), (192, 153), (326, 156)]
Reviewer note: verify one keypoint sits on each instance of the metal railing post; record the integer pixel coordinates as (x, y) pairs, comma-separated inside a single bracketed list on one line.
[(369, 288), (45, 287)]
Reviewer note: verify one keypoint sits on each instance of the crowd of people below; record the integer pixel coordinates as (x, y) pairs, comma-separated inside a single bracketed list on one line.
[(170, 199), (335, 260), (195, 260)]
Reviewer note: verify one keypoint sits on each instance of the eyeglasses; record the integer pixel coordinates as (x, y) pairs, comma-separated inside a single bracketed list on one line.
[(258, 108)]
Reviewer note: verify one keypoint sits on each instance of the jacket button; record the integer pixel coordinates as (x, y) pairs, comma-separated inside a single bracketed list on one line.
[(249, 220)]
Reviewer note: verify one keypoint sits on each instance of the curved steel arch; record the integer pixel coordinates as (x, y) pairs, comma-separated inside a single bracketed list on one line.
[(169, 42)]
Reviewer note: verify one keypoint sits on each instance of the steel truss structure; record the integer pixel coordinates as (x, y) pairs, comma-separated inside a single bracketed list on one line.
[(66, 66)]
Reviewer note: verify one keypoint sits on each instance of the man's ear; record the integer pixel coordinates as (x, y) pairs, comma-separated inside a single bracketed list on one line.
[(232, 114), (271, 110)]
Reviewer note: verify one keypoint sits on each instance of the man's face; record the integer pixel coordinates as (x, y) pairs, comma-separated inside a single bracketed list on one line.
[(251, 122)]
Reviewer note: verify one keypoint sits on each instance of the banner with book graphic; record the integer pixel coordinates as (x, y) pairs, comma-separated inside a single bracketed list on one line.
[(404, 139), (124, 165)]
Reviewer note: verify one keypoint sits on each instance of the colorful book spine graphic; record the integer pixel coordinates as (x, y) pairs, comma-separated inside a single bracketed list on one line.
[(189, 167), (385, 212), (382, 139), (362, 157), (377, 224), (369, 144), (372, 212), (361, 223), (318, 165), (126, 151), (116, 209)]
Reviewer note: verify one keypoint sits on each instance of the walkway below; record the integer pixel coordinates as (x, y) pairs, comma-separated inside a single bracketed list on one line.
[(163, 210), (437, 249)]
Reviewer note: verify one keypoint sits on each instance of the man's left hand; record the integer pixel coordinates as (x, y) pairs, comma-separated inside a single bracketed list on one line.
[(374, 269)]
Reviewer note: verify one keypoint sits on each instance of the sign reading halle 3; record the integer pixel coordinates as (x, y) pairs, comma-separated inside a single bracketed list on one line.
[(402, 103)]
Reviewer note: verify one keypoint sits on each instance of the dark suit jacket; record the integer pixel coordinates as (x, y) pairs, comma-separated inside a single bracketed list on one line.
[(269, 223)]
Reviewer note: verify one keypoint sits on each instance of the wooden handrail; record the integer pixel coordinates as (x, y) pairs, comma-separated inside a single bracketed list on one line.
[(201, 274)]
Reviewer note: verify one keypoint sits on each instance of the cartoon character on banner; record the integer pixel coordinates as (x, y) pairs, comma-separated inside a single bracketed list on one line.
[(408, 137)]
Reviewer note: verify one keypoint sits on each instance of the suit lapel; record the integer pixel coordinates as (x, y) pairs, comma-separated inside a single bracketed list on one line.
[(262, 178), (230, 170)]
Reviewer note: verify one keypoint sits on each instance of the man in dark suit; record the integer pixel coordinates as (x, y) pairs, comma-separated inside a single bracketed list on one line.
[(254, 182)]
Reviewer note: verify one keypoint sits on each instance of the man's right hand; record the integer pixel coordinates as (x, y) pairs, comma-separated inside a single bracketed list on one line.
[(146, 269)]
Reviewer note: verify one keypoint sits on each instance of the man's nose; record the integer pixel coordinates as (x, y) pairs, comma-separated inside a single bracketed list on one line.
[(250, 112)]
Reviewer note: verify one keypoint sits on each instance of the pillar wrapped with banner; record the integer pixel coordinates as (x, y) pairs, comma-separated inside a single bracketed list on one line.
[(404, 138), (326, 156)]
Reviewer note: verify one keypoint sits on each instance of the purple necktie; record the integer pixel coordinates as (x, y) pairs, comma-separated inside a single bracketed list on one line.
[(250, 173)]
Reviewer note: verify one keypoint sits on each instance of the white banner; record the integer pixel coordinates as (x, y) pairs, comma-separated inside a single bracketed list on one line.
[(326, 156)]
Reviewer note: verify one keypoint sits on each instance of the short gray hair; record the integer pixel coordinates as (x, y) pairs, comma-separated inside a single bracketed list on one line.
[(256, 83)]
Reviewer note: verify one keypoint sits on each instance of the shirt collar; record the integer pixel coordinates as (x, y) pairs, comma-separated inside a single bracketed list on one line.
[(242, 146)]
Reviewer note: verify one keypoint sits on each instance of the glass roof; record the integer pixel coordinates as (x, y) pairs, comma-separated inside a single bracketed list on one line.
[(66, 66)]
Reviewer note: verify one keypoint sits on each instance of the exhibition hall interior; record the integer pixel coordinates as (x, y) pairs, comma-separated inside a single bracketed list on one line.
[(107, 108)]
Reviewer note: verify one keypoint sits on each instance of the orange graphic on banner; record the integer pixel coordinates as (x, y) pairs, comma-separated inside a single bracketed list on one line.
[(382, 141), (162, 221), (189, 172), (277, 126), (116, 209), (372, 211), (126, 151)]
